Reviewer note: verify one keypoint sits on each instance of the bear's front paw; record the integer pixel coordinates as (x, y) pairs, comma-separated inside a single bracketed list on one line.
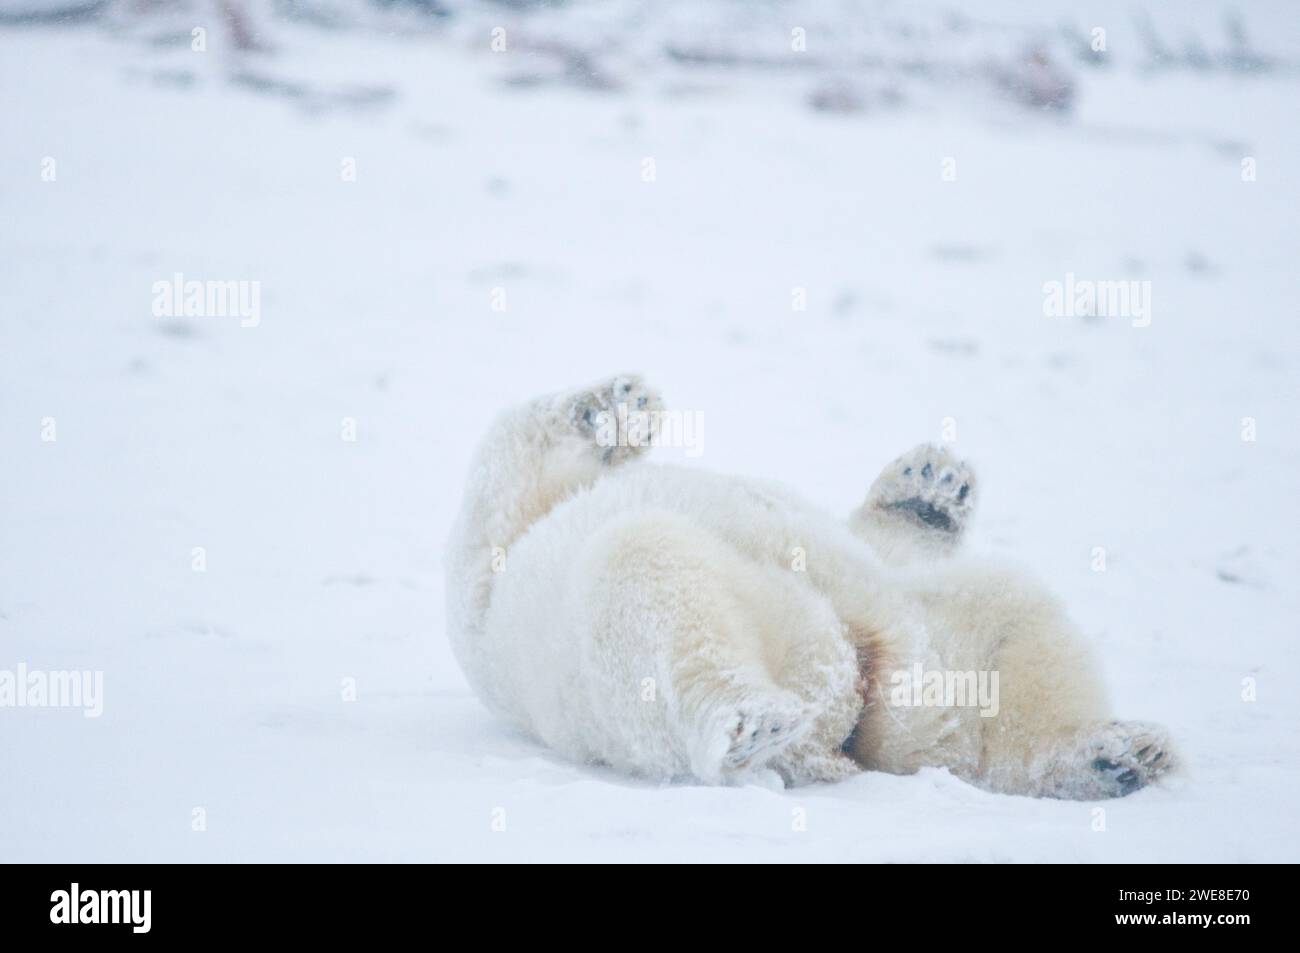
[(620, 417), (929, 487)]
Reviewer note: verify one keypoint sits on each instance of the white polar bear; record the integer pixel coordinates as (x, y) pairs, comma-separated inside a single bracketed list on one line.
[(670, 623)]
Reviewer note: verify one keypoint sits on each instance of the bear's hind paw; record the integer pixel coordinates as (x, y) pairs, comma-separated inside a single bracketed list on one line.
[(755, 734)]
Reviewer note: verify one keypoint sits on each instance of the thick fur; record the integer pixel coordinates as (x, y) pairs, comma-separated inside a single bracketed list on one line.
[(672, 623)]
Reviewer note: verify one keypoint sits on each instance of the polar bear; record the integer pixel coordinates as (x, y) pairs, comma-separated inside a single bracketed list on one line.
[(673, 623)]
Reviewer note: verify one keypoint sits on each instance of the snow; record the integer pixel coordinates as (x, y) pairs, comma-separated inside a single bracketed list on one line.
[(224, 689)]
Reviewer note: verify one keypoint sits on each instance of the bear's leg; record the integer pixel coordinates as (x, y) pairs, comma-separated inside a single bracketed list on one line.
[(532, 458), (793, 642), (919, 505), (679, 659), (748, 712), (811, 652), (1049, 732), (536, 455)]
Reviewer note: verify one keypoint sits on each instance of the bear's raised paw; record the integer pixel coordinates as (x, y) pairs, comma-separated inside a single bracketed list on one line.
[(620, 416), (927, 486)]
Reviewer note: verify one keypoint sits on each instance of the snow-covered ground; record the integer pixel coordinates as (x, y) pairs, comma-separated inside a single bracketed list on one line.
[(482, 177)]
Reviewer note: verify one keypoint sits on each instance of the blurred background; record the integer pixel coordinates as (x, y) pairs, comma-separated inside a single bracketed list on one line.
[(825, 227)]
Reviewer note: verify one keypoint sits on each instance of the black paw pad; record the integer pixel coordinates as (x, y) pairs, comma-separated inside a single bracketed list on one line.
[(926, 513)]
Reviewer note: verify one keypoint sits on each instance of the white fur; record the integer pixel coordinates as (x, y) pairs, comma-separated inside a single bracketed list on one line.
[(676, 623)]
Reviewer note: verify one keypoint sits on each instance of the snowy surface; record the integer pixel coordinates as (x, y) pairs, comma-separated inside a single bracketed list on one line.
[(222, 689)]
